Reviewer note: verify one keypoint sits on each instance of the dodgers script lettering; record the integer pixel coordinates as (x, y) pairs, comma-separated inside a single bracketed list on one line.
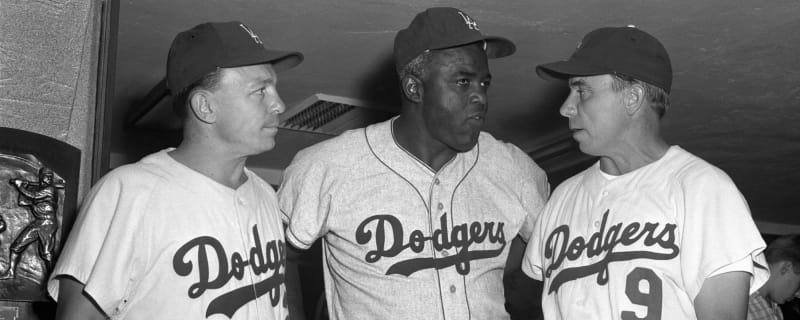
[(270, 257), (559, 247), (461, 237)]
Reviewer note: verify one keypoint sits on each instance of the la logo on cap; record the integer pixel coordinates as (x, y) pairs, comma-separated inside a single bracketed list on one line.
[(251, 33), (471, 24)]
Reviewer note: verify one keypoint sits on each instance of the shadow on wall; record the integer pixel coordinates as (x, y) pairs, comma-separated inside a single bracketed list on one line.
[(381, 86)]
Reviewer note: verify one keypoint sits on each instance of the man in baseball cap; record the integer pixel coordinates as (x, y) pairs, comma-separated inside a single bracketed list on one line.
[(419, 214), (650, 230), (190, 232)]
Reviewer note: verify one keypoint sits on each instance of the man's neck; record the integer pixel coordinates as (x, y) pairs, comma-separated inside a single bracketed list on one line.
[(423, 147), (212, 162), (632, 154)]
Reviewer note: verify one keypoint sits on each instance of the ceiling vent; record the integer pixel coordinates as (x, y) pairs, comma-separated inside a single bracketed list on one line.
[(320, 113), (331, 115)]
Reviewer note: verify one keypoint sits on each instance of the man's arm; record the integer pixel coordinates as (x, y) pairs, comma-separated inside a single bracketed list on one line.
[(294, 290), (74, 303), (515, 253), (723, 296), (523, 294)]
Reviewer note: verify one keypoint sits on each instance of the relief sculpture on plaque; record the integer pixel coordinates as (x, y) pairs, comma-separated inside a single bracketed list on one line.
[(31, 202), (40, 198), (38, 181)]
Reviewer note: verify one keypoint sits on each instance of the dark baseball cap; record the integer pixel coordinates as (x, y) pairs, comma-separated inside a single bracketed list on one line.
[(208, 46), (616, 50), (442, 28)]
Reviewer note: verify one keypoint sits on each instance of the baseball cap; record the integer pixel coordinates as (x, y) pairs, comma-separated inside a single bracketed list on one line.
[(616, 50), (442, 28), (208, 46)]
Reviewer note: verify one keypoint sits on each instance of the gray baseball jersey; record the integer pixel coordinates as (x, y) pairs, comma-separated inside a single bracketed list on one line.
[(402, 241), (640, 245)]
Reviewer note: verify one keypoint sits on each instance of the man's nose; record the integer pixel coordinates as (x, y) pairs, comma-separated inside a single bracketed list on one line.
[(277, 106), (568, 107)]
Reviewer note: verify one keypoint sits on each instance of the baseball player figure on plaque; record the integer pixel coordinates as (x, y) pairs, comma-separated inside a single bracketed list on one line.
[(39, 181), (41, 198), (419, 214)]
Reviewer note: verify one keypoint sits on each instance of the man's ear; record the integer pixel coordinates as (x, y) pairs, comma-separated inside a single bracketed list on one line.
[(201, 105), (412, 88), (634, 98), (786, 266)]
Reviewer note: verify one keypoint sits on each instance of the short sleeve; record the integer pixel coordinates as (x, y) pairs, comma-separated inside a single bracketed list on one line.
[(718, 231), (534, 193), (532, 259), (103, 250), (304, 198)]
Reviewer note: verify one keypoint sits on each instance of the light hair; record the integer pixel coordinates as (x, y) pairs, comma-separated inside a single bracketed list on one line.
[(180, 102), (658, 98)]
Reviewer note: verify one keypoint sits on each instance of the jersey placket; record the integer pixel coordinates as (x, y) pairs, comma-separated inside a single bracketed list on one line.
[(451, 283), (599, 197), (243, 206)]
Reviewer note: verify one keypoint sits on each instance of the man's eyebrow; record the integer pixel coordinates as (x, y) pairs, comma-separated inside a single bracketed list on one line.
[(262, 82), (576, 82), (465, 73)]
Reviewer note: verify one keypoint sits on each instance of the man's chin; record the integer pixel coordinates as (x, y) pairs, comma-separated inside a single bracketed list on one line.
[(466, 147)]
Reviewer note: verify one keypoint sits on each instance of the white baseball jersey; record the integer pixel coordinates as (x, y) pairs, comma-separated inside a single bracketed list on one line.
[(402, 241), (158, 240), (640, 245)]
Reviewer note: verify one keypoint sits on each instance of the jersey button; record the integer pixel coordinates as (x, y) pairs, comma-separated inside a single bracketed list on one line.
[(440, 206), (445, 253), (241, 201), (436, 181), (452, 289), (597, 223)]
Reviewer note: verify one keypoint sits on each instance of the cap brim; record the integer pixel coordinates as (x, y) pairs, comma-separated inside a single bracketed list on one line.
[(498, 47), (562, 70), (280, 60), (286, 60)]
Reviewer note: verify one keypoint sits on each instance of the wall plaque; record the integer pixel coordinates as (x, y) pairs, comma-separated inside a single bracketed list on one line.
[(38, 203)]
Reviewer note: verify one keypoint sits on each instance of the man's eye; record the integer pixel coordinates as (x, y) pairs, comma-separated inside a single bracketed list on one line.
[(486, 84), (462, 82)]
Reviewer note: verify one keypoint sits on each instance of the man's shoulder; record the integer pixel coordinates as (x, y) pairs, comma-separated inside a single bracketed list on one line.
[(338, 145), (335, 151), (147, 171), (683, 165), (498, 151)]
